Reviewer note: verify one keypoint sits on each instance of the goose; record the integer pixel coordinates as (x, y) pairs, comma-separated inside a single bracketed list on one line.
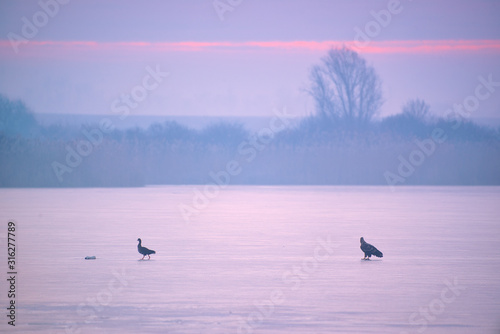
[(144, 251)]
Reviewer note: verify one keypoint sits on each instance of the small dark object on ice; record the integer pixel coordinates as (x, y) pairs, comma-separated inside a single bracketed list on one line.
[(90, 257), (144, 251), (369, 250)]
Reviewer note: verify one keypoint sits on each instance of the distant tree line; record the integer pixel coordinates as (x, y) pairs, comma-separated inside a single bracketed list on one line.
[(342, 143)]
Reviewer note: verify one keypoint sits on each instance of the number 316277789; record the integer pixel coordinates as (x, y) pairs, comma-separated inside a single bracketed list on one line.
[(11, 251)]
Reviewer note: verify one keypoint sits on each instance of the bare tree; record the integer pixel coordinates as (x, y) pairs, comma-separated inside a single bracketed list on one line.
[(344, 87), (416, 108)]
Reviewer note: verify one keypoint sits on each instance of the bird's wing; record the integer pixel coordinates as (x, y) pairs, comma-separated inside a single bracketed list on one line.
[(147, 250), (368, 248)]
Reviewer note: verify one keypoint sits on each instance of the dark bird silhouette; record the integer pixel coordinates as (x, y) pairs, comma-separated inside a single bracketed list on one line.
[(144, 251), (369, 250)]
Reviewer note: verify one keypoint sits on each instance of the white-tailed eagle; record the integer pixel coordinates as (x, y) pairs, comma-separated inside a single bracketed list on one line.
[(369, 250)]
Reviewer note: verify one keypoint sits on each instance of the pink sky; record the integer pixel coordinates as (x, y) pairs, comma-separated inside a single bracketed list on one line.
[(256, 59), (64, 49)]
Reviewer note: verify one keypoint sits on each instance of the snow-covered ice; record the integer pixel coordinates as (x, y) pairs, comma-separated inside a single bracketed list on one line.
[(255, 259)]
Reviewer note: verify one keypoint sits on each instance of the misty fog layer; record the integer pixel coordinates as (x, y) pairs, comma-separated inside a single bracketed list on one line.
[(340, 144), (398, 150)]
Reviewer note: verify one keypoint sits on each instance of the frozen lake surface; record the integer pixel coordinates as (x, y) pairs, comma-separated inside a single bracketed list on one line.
[(255, 259)]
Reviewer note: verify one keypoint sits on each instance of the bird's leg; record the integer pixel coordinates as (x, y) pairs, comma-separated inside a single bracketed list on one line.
[(149, 257), (143, 257)]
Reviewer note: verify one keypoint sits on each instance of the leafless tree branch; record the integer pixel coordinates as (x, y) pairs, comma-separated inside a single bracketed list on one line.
[(345, 87)]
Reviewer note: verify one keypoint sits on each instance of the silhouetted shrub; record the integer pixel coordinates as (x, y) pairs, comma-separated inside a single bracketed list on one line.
[(16, 118)]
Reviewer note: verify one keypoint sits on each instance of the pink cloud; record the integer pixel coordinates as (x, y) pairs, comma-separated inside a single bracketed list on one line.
[(430, 46), (65, 49)]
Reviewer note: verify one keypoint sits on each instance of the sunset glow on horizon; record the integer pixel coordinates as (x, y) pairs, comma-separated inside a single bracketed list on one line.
[(244, 60), (64, 48)]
